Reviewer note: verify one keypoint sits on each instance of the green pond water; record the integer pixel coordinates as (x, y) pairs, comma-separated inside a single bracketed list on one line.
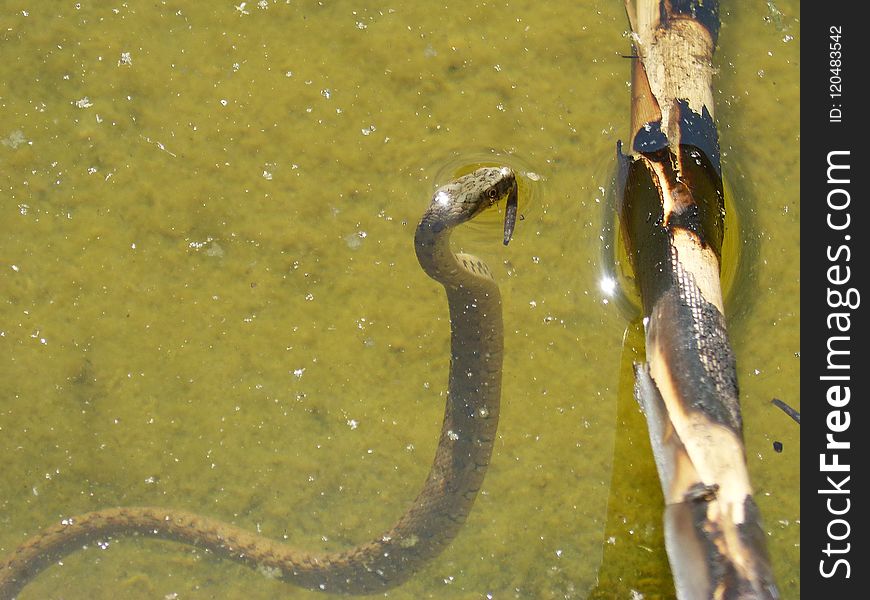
[(209, 297)]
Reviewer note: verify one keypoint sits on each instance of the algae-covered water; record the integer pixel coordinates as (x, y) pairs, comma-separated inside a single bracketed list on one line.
[(209, 297)]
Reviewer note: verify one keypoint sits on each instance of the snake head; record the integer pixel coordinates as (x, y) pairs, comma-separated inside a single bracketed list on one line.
[(469, 195)]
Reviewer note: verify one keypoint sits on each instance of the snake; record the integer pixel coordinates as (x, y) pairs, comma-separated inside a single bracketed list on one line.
[(461, 459)]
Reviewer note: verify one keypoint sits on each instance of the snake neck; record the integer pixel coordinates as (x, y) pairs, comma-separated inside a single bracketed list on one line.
[(432, 245), (453, 271), (476, 333), (474, 300)]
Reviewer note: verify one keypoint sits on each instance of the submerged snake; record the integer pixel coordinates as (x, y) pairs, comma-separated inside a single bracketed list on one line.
[(457, 472)]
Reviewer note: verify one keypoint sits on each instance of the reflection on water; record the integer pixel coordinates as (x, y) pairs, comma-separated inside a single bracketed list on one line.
[(211, 299)]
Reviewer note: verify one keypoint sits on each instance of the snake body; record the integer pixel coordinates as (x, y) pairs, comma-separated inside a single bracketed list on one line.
[(461, 459)]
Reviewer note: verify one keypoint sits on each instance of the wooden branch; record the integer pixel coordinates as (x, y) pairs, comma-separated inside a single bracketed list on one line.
[(672, 216)]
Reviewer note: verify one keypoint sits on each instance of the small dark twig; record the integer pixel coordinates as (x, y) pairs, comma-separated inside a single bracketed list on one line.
[(787, 410)]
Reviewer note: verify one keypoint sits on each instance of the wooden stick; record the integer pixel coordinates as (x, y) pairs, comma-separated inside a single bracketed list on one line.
[(672, 217)]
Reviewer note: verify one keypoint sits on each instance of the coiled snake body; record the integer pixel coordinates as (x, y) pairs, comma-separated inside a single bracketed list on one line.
[(461, 460)]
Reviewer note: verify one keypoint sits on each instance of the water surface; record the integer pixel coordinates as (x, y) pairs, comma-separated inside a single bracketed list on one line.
[(210, 298)]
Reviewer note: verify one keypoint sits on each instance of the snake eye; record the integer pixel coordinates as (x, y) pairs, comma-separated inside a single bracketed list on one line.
[(491, 193)]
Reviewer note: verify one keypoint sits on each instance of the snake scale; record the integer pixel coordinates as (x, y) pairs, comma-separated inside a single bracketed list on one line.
[(461, 459)]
